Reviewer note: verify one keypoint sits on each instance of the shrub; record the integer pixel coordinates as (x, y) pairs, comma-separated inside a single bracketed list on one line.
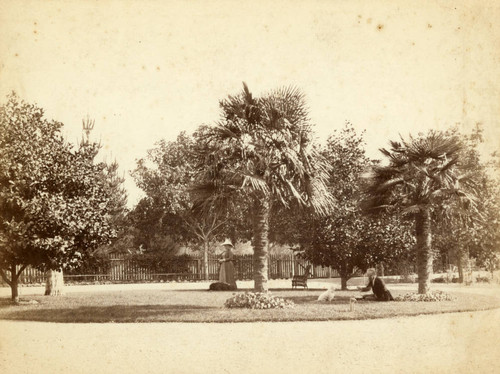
[(221, 286), (90, 264), (430, 296), (451, 276), (162, 262), (257, 300), (483, 279), (408, 278), (439, 280), (496, 277), (406, 271)]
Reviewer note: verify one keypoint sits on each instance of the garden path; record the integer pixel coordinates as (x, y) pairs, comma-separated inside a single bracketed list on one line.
[(447, 343)]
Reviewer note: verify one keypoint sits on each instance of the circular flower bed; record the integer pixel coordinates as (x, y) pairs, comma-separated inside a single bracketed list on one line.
[(257, 300), (430, 296)]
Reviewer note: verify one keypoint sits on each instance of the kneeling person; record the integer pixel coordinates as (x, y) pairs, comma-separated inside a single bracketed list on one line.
[(377, 285)]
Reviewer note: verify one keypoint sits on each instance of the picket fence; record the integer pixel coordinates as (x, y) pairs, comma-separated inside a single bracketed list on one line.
[(123, 269)]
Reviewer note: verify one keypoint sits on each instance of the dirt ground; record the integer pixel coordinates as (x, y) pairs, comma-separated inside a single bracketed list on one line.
[(446, 343), (449, 343)]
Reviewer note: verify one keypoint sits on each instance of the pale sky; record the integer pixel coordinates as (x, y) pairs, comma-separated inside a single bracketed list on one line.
[(146, 70)]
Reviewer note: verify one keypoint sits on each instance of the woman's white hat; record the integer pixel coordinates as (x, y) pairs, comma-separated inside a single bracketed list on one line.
[(228, 242)]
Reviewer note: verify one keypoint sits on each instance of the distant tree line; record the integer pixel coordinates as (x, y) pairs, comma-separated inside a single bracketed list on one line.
[(256, 175)]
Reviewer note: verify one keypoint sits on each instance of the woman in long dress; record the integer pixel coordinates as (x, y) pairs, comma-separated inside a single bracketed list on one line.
[(226, 272)]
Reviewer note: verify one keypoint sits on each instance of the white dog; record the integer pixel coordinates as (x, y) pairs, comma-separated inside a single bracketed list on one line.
[(328, 295)]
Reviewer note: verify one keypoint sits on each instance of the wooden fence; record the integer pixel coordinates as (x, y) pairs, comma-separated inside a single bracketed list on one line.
[(123, 269)]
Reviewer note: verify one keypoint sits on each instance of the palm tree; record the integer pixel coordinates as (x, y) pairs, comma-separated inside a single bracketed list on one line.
[(423, 175), (260, 153)]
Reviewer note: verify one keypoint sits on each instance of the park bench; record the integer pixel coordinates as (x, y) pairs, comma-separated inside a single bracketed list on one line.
[(301, 280)]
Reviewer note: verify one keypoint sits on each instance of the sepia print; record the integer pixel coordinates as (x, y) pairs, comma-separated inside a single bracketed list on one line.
[(249, 187)]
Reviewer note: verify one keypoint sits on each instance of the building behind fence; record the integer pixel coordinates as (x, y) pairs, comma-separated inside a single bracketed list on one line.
[(122, 268)]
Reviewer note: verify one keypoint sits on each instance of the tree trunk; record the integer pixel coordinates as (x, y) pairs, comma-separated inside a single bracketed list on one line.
[(424, 250), (343, 283), (344, 276), (14, 282), (460, 267), (462, 263), (14, 290), (260, 239), (54, 283), (205, 261)]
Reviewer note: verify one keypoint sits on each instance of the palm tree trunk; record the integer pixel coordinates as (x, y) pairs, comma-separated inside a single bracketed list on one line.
[(260, 240), (424, 250)]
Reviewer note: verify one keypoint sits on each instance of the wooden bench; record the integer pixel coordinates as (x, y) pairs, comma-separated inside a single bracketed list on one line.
[(301, 280)]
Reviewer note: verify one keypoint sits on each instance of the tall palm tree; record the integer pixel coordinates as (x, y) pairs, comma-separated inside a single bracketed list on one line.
[(423, 175), (261, 152)]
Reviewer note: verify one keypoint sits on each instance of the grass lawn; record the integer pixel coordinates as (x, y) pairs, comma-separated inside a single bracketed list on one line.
[(207, 306)]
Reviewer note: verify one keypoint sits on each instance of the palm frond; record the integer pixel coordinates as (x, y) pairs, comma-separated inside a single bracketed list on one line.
[(421, 170), (388, 185), (412, 209), (318, 197), (262, 146), (255, 183), (295, 193), (447, 165)]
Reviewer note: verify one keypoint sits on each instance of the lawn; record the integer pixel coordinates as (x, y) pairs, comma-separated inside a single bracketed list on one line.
[(207, 306)]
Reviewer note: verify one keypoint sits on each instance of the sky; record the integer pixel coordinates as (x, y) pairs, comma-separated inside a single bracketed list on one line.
[(147, 70)]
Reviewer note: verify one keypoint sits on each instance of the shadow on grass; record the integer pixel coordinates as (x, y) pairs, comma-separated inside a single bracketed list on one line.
[(115, 313), (250, 289), (6, 302), (297, 289), (308, 299)]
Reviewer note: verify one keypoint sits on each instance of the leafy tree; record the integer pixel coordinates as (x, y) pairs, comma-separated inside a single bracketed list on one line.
[(486, 246), (53, 201), (96, 261), (161, 256), (423, 174), (113, 183), (350, 243), (459, 236), (166, 175), (261, 153), (345, 239), (477, 236)]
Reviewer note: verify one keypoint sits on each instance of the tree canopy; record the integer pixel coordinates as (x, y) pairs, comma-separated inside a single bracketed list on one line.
[(423, 174), (55, 202), (345, 239), (261, 153)]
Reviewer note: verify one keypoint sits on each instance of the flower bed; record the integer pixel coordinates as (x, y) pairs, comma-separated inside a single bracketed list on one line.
[(430, 296), (257, 300)]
